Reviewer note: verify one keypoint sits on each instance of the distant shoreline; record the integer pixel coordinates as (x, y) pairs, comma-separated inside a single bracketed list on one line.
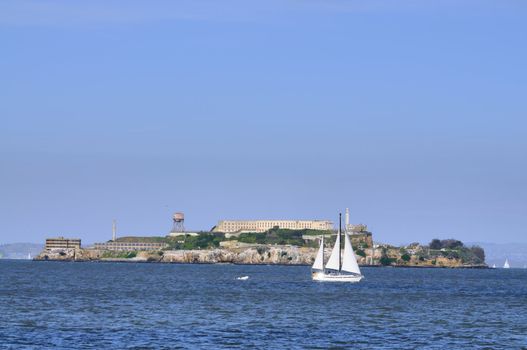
[(132, 261)]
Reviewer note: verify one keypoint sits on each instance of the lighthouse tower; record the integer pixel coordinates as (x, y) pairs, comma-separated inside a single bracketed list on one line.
[(114, 231), (347, 226)]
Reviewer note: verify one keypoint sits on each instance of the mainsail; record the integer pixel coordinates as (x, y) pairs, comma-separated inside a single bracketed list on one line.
[(506, 265), (319, 260), (349, 262), (334, 258)]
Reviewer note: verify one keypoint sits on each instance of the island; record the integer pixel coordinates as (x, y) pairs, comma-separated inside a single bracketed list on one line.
[(276, 246)]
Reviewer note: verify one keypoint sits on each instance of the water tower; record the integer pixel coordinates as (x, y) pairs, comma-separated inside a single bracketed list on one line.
[(179, 220)]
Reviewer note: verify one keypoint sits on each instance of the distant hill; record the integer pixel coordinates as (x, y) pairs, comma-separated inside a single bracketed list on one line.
[(496, 253), (19, 250)]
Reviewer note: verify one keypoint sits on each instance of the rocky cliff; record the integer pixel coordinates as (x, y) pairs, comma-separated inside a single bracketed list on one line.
[(282, 255), (244, 254), (252, 255)]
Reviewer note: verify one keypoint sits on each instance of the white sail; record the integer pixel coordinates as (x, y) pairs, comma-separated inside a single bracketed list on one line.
[(319, 260), (337, 263), (349, 262), (506, 265), (333, 262)]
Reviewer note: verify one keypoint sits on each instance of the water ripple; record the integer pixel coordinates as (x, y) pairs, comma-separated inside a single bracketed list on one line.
[(153, 306)]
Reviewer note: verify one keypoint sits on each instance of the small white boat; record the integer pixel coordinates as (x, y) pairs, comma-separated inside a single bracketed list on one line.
[(506, 265), (494, 266), (340, 267), (242, 278)]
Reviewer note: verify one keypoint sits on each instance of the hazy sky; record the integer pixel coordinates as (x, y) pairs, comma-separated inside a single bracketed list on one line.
[(411, 113)]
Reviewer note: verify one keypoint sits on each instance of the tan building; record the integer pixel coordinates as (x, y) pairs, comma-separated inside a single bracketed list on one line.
[(130, 246), (231, 226), (358, 228), (63, 243)]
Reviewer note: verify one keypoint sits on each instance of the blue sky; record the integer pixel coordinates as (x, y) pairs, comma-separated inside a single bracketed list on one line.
[(411, 113)]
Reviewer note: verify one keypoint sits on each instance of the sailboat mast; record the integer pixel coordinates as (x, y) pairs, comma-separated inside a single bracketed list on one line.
[(340, 241), (322, 247)]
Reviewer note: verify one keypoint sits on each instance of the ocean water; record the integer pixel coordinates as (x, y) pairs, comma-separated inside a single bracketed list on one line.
[(163, 306)]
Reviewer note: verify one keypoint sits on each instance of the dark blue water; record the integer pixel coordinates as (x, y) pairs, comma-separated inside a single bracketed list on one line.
[(117, 305)]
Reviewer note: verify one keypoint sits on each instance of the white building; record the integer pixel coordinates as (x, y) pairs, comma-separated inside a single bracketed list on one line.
[(231, 226)]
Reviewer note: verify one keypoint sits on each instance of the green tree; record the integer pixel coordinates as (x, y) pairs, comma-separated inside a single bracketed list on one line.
[(479, 253), (435, 244), (451, 244), (386, 261)]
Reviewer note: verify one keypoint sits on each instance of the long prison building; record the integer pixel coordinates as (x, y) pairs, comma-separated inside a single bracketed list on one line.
[(231, 226)]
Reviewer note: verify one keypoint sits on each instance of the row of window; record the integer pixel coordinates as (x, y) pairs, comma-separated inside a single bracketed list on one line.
[(130, 245), (267, 225)]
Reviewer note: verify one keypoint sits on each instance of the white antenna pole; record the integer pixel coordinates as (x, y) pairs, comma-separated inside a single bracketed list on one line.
[(114, 231), (347, 218)]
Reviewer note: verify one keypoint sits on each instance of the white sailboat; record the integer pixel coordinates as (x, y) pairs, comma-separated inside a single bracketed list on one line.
[(340, 267), (494, 266), (506, 265)]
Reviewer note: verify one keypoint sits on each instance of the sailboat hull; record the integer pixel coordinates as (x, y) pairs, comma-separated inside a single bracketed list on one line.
[(322, 277)]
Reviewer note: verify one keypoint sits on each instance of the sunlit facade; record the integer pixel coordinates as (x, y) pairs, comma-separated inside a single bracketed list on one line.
[(231, 226)]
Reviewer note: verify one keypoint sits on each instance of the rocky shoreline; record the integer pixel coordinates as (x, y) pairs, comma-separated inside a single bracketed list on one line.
[(254, 255)]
